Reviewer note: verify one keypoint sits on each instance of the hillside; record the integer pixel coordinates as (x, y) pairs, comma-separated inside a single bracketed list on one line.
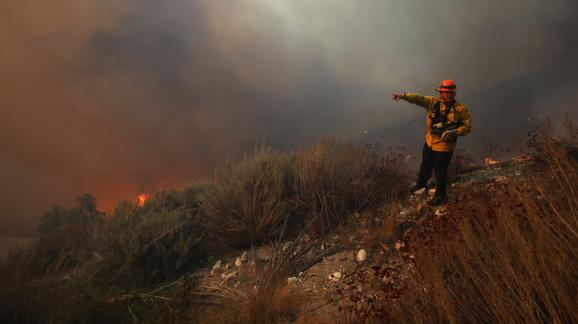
[(327, 234)]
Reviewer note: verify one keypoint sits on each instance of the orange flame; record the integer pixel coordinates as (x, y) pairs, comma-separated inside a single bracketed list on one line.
[(489, 161), (142, 198)]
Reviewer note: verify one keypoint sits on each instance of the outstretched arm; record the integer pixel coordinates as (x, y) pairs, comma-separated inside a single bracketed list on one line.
[(422, 101)]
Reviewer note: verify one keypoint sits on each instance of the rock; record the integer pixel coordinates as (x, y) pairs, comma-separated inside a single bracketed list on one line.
[(336, 276), (217, 266), (419, 192), (361, 255), (238, 262), (227, 276), (440, 212), (292, 280)]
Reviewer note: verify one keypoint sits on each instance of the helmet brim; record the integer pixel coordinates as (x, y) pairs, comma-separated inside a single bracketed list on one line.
[(446, 90)]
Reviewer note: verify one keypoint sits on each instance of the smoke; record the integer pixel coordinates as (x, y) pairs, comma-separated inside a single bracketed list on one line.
[(116, 97)]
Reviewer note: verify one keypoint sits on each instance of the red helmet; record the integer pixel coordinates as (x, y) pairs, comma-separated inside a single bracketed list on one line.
[(447, 86)]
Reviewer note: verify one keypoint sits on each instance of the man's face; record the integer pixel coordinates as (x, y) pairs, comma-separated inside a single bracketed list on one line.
[(447, 96)]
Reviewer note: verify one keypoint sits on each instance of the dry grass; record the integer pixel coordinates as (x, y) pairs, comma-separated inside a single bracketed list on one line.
[(503, 254), (335, 180), (251, 198), (264, 298), (8, 243), (461, 163)]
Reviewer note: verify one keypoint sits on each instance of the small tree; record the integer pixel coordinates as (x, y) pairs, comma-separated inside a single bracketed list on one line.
[(52, 220), (84, 212)]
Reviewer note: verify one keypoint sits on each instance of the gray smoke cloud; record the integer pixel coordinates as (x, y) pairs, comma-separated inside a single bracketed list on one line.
[(116, 97)]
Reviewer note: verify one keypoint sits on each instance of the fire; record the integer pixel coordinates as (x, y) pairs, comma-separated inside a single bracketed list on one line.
[(142, 198), (489, 161)]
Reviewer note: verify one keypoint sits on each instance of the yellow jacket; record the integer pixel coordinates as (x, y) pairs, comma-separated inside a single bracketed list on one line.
[(460, 113)]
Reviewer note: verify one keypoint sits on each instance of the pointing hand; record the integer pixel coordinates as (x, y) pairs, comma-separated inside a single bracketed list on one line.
[(396, 96)]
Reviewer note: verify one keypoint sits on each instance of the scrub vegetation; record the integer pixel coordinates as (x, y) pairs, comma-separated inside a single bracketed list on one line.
[(84, 257), (504, 253)]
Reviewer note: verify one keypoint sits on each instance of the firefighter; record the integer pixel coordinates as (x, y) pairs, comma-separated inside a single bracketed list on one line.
[(446, 120)]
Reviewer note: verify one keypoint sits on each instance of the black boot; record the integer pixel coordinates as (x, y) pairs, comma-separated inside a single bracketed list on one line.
[(414, 190), (439, 200)]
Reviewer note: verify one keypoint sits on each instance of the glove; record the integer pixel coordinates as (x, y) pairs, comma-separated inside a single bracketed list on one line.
[(449, 135)]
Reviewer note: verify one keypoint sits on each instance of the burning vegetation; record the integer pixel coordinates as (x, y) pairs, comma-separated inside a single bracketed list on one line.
[(502, 250), (488, 161), (142, 199)]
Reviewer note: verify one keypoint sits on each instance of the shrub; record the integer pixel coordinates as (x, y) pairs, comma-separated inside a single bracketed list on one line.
[(251, 198), (335, 180), (68, 276), (85, 212), (158, 240)]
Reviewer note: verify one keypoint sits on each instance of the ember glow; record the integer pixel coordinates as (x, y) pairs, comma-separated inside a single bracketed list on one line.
[(489, 161), (142, 198)]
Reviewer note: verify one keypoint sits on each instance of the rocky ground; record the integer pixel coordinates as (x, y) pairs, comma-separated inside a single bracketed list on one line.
[(344, 270)]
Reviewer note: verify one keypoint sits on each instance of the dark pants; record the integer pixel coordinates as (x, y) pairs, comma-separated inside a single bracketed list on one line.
[(438, 161)]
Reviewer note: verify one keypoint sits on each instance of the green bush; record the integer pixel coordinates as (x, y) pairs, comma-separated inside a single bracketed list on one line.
[(68, 276), (158, 240), (85, 212)]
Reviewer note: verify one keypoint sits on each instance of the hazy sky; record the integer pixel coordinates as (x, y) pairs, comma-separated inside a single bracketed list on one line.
[(115, 97)]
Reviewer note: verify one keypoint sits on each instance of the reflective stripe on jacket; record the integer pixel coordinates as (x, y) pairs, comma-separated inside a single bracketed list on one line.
[(459, 113)]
